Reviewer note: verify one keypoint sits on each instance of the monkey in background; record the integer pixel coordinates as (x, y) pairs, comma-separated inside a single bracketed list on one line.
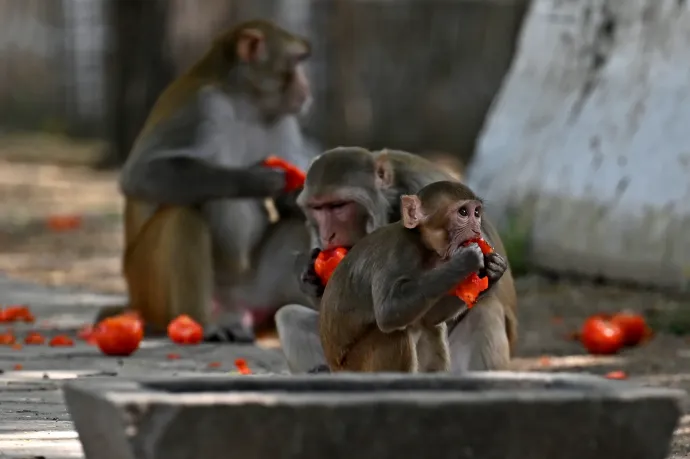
[(384, 308), (196, 229), (350, 192)]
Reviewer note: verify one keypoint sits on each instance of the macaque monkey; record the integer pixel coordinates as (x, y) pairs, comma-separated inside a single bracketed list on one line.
[(350, 192), (195, 220), (385, 308)]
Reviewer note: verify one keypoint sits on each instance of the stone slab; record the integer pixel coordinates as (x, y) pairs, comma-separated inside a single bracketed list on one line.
[(487, 416), (588, 141)]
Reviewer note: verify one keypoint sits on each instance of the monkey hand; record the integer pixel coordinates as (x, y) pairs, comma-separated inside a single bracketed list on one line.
[(494, 267), (470, 259), (294, 176), (310, 282)]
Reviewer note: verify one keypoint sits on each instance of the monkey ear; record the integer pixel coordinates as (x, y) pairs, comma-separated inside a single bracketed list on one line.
[(251, 45), (384, 172), (411, 210)]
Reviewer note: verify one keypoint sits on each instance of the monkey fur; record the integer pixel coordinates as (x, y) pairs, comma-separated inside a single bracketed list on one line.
[(386, 305), (480, 339), (196, 228)]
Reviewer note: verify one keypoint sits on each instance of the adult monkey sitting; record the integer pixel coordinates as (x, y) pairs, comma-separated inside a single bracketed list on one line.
[(349, 192), (194, 184)]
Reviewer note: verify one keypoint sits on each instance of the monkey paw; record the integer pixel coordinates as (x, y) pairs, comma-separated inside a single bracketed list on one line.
[(232, 333), (471, 258), (310, 282), (494, 266)]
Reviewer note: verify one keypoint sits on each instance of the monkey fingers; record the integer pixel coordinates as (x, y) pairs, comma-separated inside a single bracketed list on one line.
[(230, 331), (310, 283), (495, 265)]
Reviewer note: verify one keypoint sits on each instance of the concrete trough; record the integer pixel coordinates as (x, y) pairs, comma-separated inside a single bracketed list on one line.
[(359, 416)]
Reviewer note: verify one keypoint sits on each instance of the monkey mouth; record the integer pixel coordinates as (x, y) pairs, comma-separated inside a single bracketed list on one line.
[(455, 247)]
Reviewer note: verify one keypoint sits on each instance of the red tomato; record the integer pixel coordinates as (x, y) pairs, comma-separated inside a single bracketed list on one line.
[(120, 335), (633, 325), (184, 330), (61, 340), (64, 222), (34, 338), (17, 312), (483, 245), (7, 339), (470, 288), (327, 261), (616, 375), (601, 336), (18, 367), (294, 177), (242, 367)]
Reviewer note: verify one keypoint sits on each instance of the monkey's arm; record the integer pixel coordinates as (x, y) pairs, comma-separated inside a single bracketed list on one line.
[(401, 299), (176, 158), (184, 180), (445, 309)]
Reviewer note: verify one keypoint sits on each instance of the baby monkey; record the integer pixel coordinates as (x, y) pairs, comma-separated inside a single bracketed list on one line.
[(386, 305)]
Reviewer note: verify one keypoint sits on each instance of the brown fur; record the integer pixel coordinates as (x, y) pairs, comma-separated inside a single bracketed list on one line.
[(171, 252)]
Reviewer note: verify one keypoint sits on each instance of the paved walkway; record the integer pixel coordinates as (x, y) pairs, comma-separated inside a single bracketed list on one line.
[(33, 418)]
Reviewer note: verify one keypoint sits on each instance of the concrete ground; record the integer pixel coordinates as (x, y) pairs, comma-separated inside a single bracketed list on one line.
[(46, 269)]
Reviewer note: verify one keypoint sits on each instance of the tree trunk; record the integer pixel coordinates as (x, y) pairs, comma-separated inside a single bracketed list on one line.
[(137, 70)]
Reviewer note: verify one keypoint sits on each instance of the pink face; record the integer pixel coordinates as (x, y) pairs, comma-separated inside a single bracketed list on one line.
[(339, 223), (465, 222)]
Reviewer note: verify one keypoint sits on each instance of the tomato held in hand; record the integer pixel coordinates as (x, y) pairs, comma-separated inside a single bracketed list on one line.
[(119, 336), (327, 261), (469, 289), (185, 330), (600, 335), (633, 326), (483, 245), (294, 176)]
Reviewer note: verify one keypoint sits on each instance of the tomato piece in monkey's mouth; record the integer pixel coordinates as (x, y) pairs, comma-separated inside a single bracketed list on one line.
[(469, 289), (327, 261)]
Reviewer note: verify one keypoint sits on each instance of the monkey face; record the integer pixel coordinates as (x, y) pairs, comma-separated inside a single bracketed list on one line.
[(338, 222), (464, 223)]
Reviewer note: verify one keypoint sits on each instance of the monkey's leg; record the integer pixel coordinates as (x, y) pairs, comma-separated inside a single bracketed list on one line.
[(383, 352), (168, 268), (432, 349), (298, 330), (479, 341)]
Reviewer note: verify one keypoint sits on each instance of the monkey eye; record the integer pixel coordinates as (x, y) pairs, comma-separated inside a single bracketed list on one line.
[(478, 212), (337, 205), (463, 211)]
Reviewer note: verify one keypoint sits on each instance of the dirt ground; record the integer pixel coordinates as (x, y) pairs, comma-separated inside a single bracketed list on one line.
[(31, 193)]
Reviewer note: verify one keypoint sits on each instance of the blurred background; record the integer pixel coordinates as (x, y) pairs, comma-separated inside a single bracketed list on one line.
[(509, 91)]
